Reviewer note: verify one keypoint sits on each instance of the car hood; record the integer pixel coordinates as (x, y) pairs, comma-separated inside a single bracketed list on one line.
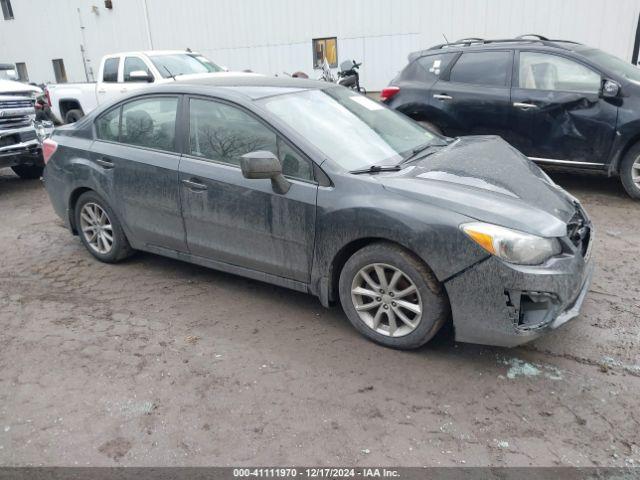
[(485, 178), (9, 86)]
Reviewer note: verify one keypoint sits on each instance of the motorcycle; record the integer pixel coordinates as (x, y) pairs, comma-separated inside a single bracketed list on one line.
[(348, 75)]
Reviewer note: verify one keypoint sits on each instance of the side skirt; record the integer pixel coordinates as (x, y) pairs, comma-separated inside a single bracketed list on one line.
[(229, 268)]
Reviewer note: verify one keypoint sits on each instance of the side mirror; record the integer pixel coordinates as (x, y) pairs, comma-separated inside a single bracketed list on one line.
[(140, 76), (610, 89), (263, 164)]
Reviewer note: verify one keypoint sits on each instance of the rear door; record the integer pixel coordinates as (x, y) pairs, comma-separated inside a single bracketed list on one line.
[(110, 86), (235, 220), (557, 113), (136, 147), (474, 97)]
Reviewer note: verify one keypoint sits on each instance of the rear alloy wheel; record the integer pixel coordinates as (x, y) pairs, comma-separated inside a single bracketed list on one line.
[(100, 230), (73, 116), (392, 297), (630, 172)]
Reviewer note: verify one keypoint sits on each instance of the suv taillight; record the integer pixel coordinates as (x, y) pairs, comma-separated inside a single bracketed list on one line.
[(388, 93), (49, 147)]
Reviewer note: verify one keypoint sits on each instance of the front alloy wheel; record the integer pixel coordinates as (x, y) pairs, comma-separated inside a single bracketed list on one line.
[(391, 296), (386, 300)]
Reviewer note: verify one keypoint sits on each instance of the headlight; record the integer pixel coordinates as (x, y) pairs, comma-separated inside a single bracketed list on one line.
[(511, 245)]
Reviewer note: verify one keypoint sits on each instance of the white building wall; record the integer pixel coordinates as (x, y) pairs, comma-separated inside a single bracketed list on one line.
[(274, 36)]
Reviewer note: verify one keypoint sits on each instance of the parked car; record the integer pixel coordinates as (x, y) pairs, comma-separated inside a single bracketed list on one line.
[(19, 142), (557, 101), (315, 187), (121, 73)]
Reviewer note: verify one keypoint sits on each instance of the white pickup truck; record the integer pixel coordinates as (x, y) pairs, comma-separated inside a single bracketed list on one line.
[(121, 73)]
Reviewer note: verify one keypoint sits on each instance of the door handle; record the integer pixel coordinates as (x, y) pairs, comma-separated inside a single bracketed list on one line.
[(442, 96), (104, 163), (194, 185), (123, 90), (102, 91), (524, 106)]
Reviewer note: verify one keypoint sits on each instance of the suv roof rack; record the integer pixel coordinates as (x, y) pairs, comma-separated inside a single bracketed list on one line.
[(467, 42)]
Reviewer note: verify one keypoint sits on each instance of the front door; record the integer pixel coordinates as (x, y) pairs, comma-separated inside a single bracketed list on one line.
[(137, 143), (243, 222), (110, 87), (474, 99), (557, 112)]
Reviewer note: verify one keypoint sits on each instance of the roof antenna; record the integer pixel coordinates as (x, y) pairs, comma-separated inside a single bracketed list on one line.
[(445, 37)]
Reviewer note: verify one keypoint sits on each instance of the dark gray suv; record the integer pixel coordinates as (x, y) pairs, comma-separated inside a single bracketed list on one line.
[(317, 188), (558, 102)]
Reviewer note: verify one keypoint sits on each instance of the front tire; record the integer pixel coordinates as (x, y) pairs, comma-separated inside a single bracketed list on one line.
[(99, 229), (28, 172), (392, 297), (630, 172)]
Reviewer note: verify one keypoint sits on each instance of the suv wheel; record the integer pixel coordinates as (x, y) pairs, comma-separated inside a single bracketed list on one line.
[(100, 230), (392, 297), (28, 172), (630, 172)]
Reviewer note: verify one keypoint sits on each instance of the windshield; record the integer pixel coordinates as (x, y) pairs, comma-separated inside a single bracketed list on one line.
[(614, 64), (351, 129), (8, 74), (183, 64)]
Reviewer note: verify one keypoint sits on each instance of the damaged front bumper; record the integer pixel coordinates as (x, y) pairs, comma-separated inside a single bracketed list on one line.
[(502, 304)]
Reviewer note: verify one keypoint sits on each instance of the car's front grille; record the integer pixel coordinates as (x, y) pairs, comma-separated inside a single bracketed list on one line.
[(579, 231), (17, 103), (14, 122)]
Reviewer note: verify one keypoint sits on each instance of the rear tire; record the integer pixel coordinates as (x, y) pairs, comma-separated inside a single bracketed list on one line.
[(28, 172), (100, 230), (383, 311), (430, 126), (630, 172), (73, 116)]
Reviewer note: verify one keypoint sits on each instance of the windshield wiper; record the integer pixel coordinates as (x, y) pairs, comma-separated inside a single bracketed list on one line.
[(415, 154), (169, 72), (377, 168)]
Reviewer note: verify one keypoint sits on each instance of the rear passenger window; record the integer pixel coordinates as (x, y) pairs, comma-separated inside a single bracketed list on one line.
[(110, 73), (427, 69), (108, 125), (482, 68), (150, 122), (223, 133)]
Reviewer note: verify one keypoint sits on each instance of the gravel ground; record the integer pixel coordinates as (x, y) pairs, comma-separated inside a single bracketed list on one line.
[(157, 362)]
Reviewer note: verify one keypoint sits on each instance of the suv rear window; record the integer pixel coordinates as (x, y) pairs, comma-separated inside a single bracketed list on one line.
[(428, 68), (482, 68)]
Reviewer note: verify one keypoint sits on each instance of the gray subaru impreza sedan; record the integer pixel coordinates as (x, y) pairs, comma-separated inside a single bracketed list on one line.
[(313, 187)]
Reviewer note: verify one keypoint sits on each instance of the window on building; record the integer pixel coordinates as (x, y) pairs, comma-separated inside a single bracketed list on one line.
[(133, 64), (150, 122), (482, 68), (542, 71), (325, 48), (59, 71), (110, 70), (23, 75), (7, 11)]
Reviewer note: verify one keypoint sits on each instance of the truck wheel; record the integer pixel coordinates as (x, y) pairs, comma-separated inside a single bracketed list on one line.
[(28, 172), (430, 126), (73, 116), (392, 297), (100, 230), (630, 172)]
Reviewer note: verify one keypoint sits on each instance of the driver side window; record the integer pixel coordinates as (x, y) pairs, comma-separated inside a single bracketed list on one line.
[(541, 71), (132, 64)]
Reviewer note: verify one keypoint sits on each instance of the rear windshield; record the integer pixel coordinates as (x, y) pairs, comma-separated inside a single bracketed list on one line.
[(614, 64)]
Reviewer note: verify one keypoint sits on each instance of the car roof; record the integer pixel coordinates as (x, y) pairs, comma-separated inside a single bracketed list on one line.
[(479, 44), (252, 86), (151, 53)]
